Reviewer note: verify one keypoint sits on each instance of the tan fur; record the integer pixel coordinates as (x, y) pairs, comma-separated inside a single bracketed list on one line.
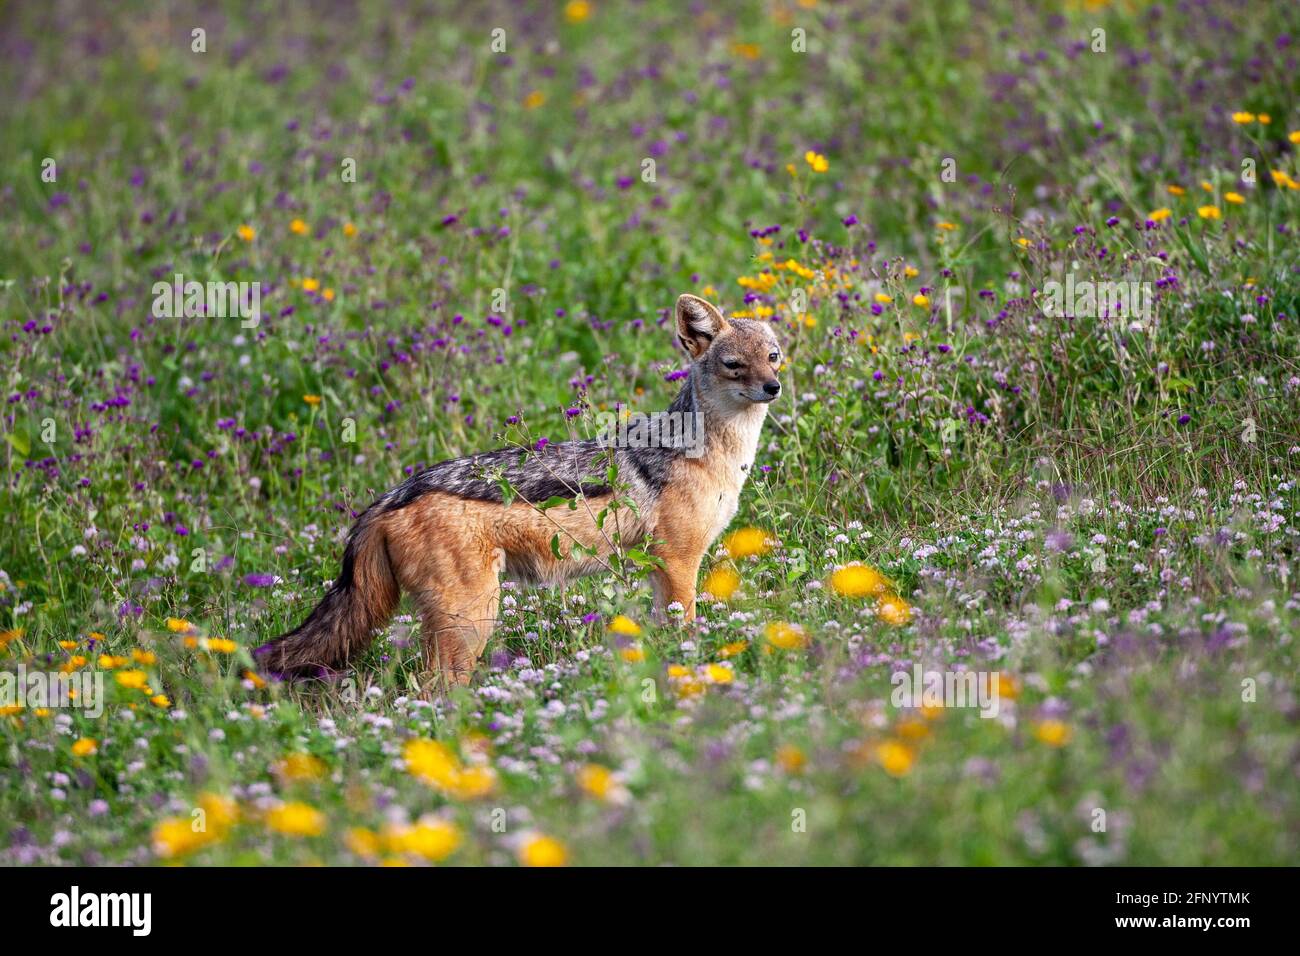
[(451, 553)]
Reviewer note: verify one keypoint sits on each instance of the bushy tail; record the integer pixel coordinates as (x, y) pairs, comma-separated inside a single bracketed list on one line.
[(342, 624)]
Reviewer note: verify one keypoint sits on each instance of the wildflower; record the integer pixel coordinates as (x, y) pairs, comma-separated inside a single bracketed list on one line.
[(362, 841), (791, 759), (300, 766), (858, 580), (534, 99), (921, 300), (1241, 117), (784, 635), (576, 11), (85, 747), (1235, 198), (746, 542), (161, 701), (1176, 190), (1160, 215), (597, 781), (1208, 212), (298, 227), (179, 626), (431, 838), (911, 272), (719, 674), (734, 648), (132, 680), (1006, 686), (176, 836), (1294, 136), (540, 850), (221, 645), (310, 285), (633, 654), (1054, 733), (349, 230), (110, 662), (895, 757), (312, 400), (947, 226), (722, 582), (895, 611), (247, 233), (1022, 242), (296, 819), (884, 299), (147, 658), (749, 51), (621, 624), (817, 161), (219, 811)]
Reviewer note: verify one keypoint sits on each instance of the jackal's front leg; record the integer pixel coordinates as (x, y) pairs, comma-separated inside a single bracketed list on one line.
[(675, 582)]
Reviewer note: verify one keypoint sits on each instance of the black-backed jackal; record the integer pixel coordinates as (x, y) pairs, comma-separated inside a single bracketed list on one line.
[(448, 534)]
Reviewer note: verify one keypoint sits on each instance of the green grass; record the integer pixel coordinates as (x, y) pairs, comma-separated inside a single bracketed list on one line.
[(973, 454)]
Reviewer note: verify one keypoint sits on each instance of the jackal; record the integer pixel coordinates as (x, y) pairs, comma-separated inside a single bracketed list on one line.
[(448, 534)]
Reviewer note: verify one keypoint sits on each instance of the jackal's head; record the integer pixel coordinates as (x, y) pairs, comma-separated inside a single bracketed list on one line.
[(735, 360)]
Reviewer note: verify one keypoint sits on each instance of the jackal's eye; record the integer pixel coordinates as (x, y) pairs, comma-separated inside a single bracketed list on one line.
[(732, 364), (773, 357)]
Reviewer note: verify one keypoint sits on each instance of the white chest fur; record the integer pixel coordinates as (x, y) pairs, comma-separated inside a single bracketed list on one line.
[(731, 451)]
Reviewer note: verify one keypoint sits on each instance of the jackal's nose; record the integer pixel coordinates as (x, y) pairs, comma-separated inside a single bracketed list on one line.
[(772, 388)]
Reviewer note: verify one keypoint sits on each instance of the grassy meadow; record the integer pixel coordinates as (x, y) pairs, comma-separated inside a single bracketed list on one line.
[(469, 224)]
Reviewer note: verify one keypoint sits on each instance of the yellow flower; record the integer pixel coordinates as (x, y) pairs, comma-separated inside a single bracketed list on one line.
[(621, 624), (310, 285), (1241, 117), (750, 51), (534, 99), (349, 230), (575, 11), (219, 811), (786, 636), (1006, 685), (1176, 190), (1207, 186), (161, 701), (109, 662), (947, 226), (911, 272), (734, 648), (473, 782), (312, 400), (132, 680), (327, 295), (633, 654), (1264, 118), (176, 836), (8, 710), (247, 233), (541, 850), (895, 757), (746, 542), (433, 763), (362, 841), (791, 759), (719, 674), (817, 161), (884, 299), (296, 819), (73, 663), (300, 766), (85, 747), (909, 728), (221, 645), (298, 227), (147, 658), (431, 838), (1160, 215), (1234, 198), (1294, 136), (1022, 242), (1054, 733), (858, 580), (894, 610), (1208, 212), (596, 781), (179, 625), (922, 300), (722, 582), (255, 679)]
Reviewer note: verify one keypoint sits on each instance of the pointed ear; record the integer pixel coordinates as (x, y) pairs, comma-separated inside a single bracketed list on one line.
[(698, 324)]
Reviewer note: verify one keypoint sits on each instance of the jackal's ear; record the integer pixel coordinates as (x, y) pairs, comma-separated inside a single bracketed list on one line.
[(698, 324)]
